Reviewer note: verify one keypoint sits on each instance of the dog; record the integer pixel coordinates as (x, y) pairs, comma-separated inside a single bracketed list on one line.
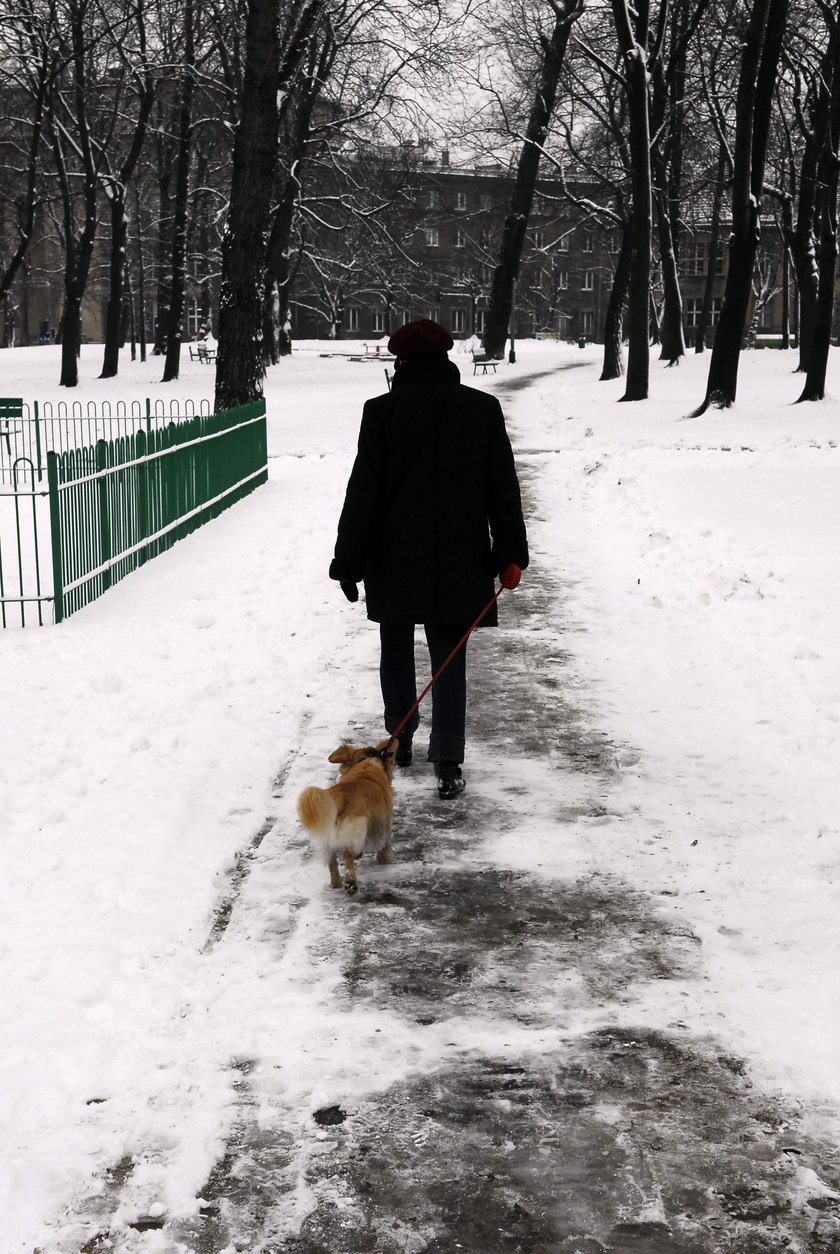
[(356, 814)]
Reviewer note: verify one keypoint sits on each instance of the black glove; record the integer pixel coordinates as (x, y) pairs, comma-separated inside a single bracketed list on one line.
[(350, 590)]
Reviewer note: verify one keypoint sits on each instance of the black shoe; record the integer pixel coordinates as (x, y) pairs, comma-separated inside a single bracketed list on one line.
[(450, 781), (403, 755)]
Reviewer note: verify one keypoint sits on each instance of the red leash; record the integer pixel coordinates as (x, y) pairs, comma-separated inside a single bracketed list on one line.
[(509, 581)]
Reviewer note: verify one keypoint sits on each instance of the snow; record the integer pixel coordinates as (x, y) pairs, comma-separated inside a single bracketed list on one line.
[(141, 739)]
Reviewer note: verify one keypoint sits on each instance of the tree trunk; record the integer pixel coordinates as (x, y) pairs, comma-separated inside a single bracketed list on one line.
[(613, 367), (174, 331), (804, 255), (240, 367), (672, 340), (27, 221), (786, 298), (141, 278), (516, 222), (296, 145), (278, 267), (759, 63), (163, 253), (114, 311), (77, 267), (666, 113), (239, 364), (638, 303), (828, 178)]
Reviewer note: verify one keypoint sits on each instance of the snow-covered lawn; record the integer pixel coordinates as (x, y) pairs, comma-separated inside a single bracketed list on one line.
[(140, 739)]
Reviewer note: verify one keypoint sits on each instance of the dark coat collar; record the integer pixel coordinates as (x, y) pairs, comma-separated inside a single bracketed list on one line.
[(426, 370)]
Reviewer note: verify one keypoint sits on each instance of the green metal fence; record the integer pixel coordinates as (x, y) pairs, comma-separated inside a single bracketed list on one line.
[(24, 539), (115, 504), (30, 431)]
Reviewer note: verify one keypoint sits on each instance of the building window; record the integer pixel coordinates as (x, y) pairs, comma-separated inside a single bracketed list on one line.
[(351, 318), (434, 199), (193, 318), (459, 321), (461, 200), (377, 322), (562, 280), (480, 321), (719, 259), (563, 242), (459, 238), (432, 237), (538, 239), (434, 313), (588, 283), (587, 322), (693, 309), (486, 200), (694, 258), (588, 242)]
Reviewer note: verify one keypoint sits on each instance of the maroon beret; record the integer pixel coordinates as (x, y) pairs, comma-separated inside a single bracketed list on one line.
[(420, 339)]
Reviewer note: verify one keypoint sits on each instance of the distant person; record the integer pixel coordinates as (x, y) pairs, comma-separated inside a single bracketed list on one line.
[(432, 514)]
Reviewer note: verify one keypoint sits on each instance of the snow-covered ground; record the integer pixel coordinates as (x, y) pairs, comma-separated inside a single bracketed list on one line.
[(141, 737)]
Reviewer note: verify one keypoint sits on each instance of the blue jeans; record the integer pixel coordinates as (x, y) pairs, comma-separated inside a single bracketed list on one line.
[(448, 696)]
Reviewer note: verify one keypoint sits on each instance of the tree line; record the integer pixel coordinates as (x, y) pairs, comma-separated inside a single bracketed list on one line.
[(215, 147)]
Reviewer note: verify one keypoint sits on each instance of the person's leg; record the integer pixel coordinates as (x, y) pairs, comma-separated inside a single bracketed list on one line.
[(449, 694), (396, 677)]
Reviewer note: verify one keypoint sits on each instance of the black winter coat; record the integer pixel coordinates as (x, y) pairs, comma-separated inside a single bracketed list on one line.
[(433, 510)]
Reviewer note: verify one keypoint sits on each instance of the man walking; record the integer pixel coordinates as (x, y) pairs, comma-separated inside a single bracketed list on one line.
[(432, 513)]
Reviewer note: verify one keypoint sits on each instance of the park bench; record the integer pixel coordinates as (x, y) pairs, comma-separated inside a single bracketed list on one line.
[(201, 352), (484, 362), (11, 409)]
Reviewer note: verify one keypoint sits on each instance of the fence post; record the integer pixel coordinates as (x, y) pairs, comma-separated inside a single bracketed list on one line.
[(55, 535), (104, 512), (141, 453), (38, 462)]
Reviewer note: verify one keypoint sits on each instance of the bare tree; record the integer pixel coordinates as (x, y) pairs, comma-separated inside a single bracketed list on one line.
[(533, 138), (35, 63), (133, 60), (78, 160), (759, 62), (826, 117), (180, 204), (273, 58), (633, 29)]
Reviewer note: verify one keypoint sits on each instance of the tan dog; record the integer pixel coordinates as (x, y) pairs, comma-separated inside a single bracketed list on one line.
[(356, 814)]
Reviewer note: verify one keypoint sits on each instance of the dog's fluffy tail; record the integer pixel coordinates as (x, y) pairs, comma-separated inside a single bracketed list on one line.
[(317, 811)]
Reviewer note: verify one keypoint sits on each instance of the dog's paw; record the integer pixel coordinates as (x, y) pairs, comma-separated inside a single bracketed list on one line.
[(385, 855), (351, 885)]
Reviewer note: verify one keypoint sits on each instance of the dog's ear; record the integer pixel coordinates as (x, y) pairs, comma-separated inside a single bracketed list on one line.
[(393, 743), (342, 754)]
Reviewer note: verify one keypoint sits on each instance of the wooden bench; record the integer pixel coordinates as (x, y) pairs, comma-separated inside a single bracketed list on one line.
[(486, 363), (201, 352), (11, 409)]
